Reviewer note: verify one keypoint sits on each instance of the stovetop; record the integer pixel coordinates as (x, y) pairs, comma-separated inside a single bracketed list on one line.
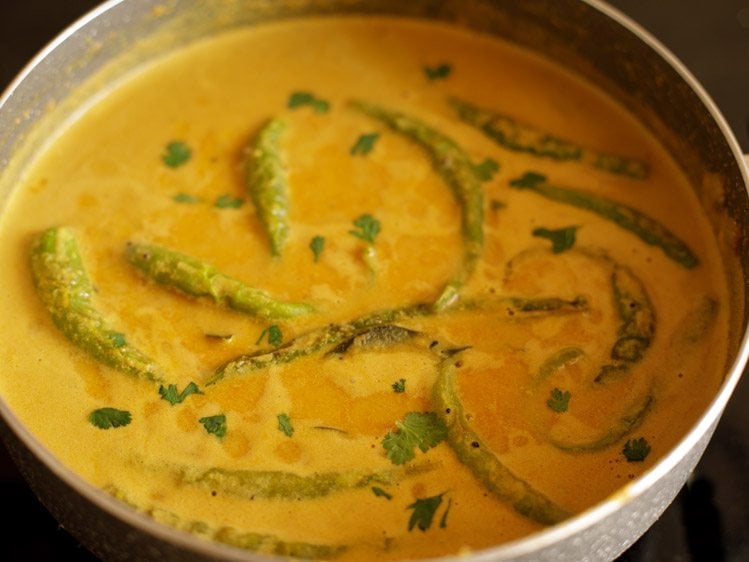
[(709, 520)]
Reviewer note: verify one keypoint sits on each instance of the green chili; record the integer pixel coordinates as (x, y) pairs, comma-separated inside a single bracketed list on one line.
[(66, 291), (197, 278)]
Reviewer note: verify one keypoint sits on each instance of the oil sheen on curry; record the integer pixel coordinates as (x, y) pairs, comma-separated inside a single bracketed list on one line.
[(357, 289)]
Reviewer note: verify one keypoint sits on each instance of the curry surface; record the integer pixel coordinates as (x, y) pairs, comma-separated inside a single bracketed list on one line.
[(105, 178)]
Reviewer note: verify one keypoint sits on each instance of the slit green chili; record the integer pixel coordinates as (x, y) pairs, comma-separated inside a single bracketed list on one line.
[(64, 287), (454, 166), (200, 279)]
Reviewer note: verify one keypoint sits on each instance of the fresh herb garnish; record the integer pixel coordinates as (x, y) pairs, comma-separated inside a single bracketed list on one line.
[(215, 425), (298, 99), (176, 154), (399, 386), (275, 336), (171, 395), (636, 450), (364, 144), (380, 493), (117, 339), (529, 179), (423, 512), (368, 228), (185, 198), (418, 429), (561, 239), (104, 418), (486, 170), (284, 424), (226, 201), (317, 245), (559, 401), (438, 72)]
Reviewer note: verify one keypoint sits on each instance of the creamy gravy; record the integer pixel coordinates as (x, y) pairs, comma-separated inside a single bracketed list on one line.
[(105, 179)]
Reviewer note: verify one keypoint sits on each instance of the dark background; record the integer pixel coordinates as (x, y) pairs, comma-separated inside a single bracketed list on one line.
[(710, 518)]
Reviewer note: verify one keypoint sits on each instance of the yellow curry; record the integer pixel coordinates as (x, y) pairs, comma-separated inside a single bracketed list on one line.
[(358, 288)]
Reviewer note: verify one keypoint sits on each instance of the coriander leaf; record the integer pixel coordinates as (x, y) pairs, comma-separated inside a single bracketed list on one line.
[(317, 245), (275, 337), (284, 424), (399, 386), (368, 228), (423, 430), (320, 106), (176, 154), (486, 170), (364, 144), (215, 425), (438, 72), (226, 201), (529, 179), (298, 99), (561, 239), (104, 418), (636, 450), (171, 395), (117, 339), (185, 198), (559, 401), (424, 510), (380, 493)]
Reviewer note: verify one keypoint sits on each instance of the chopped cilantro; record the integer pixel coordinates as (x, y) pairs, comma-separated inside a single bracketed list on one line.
[(438, 72), (104, 418), (380, 493), (423, 430), (185, 198), (215, 425), (317, 245), (399, 386), (298, 99), (364, 144), (176, 154), (226, 201), (529, 179), (486, 170), (274, 334), (284, 424), (171, 395), (559, 401), (117, 339), (368, 228), (561, 239), (636, 450), (423, 512)]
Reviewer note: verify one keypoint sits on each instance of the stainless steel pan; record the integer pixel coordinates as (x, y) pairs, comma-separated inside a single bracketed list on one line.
[(585, 35)]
